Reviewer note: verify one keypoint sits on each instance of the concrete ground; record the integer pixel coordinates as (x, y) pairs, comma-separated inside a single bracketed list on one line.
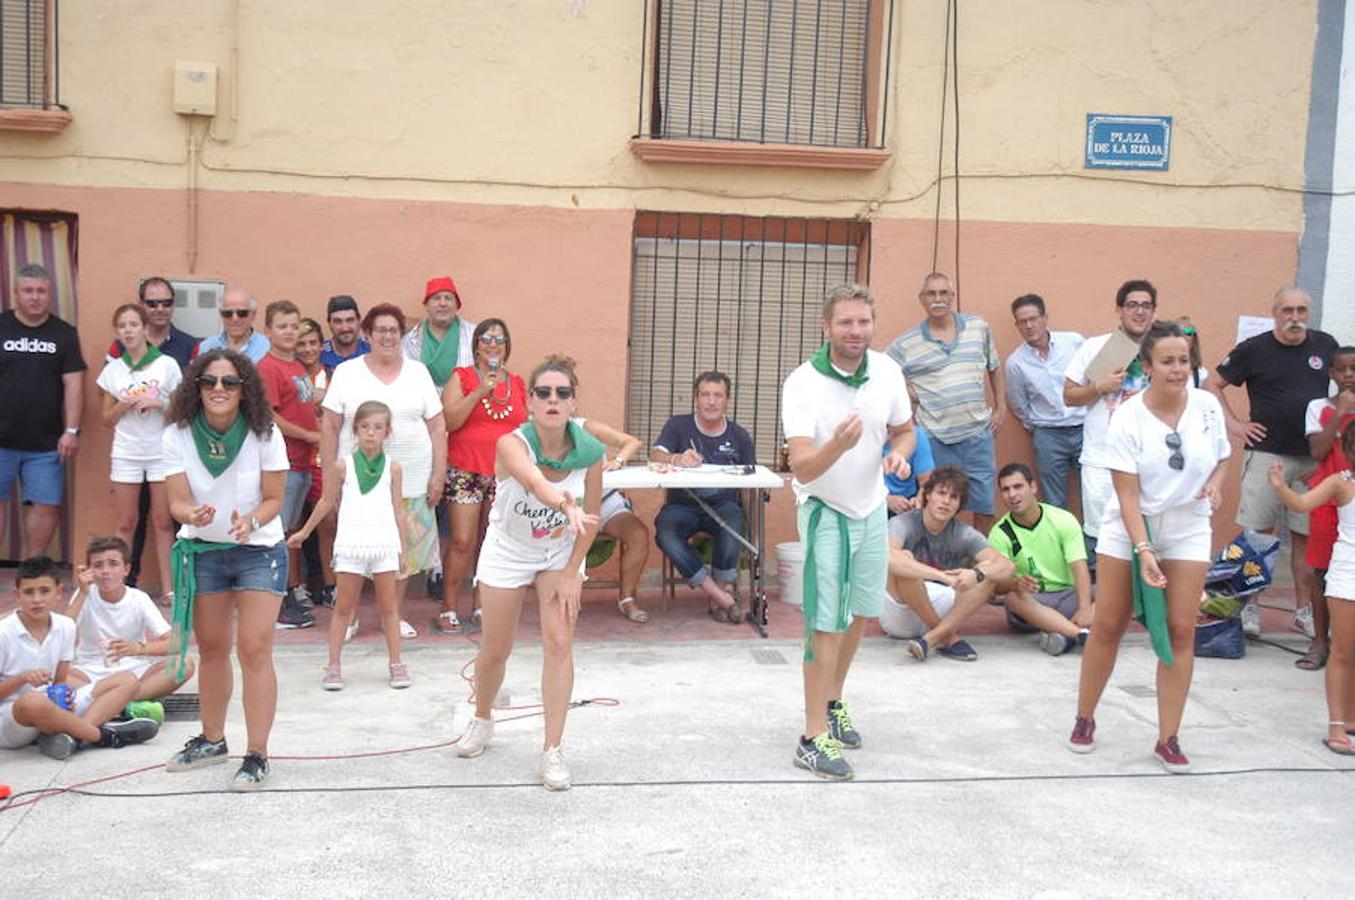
[(685, 785)]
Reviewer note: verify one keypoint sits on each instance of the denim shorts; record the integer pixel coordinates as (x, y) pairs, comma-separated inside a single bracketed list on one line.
[(41, 479), (243, 568), (294, 498), (973, 456)]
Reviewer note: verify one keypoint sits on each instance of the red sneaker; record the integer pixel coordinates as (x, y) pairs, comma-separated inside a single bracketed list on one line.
[(1082, 739), (1169, 754)]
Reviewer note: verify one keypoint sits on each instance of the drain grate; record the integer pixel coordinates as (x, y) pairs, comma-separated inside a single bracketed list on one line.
[(1142, 691), (764, 656), (181, 707)]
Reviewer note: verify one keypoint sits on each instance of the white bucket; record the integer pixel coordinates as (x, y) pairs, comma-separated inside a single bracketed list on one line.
[(790, 570)]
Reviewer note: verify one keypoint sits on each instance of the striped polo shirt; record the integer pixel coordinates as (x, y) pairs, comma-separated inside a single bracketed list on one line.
[(949, 377)]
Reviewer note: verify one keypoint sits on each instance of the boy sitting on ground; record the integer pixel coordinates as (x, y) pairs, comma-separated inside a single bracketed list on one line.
[(119, 629), (36, 648)]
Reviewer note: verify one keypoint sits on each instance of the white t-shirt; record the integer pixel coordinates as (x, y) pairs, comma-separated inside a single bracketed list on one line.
[(1137, 444), (1312, 417), (137, 434), (413, 400), (1095, 451), (813, 404), (133, 618), (239, 488), (19, 652)]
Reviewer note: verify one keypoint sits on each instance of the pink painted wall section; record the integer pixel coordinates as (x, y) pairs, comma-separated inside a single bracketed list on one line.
[(561, 278)]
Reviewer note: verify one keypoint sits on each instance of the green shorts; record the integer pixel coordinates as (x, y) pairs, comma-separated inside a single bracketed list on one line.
[(869, 542)]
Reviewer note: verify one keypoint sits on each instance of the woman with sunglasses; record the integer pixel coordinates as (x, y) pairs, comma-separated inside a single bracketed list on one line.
[(481, 403), (1167, 447), (225, 467), (137, 385), (418, 438), (548, 485)]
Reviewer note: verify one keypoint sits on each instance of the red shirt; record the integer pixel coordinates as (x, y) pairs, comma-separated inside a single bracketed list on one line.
[(291, 394), (471, 447)]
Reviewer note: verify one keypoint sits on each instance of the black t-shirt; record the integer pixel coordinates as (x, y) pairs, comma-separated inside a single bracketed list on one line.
[(32, 361), (732, 447), (1280, 381)]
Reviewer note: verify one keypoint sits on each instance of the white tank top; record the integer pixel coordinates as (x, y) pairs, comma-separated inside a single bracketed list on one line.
[(367, 528), (519, 519), (1345, 519)]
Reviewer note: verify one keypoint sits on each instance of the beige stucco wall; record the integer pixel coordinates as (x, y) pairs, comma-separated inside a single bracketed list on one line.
[(531, 102)]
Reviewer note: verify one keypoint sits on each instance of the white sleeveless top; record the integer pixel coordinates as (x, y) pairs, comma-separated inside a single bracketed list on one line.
[(518, 518), (367, 528)]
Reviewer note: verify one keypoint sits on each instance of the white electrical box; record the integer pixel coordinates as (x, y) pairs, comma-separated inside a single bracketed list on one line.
[(195, 88)]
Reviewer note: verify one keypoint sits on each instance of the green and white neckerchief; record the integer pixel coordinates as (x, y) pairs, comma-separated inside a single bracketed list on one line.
[(440, 355), (586, 450), (216, 449), (368, 471), (152, 354), (824, 366)]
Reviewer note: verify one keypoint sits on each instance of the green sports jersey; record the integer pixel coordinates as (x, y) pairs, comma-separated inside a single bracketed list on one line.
[(1045, 551)]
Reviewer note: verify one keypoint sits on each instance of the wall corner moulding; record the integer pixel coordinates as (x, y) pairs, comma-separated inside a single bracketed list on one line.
[(38, 121), (734, 153)]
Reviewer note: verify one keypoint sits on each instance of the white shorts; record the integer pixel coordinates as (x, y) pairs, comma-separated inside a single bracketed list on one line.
[(12, 734), (613, 504), (366, 566), (1178, 533), (899, 621), (136, 471), (96, 673), (1096, 491), (1340, 583), (504, 566)]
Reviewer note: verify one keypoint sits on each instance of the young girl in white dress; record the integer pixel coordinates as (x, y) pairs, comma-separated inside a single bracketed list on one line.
[(367, 541)]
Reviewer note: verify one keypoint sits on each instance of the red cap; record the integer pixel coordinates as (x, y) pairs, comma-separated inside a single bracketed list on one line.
[(444, 283)]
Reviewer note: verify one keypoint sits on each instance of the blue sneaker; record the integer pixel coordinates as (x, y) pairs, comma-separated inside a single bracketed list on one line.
[(960, 650), (823, 757), (918, 648), (840, 726)]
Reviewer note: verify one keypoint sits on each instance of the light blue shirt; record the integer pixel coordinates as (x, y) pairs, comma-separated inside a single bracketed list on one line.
[(1035, 384), (256, 349)]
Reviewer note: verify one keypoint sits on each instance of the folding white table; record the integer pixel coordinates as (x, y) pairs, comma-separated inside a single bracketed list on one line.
[(754, 481)]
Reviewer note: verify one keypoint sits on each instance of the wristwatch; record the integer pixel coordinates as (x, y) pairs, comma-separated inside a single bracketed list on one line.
[(979, 577)]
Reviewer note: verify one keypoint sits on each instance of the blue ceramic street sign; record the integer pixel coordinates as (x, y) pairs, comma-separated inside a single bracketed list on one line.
[(1128, 142)]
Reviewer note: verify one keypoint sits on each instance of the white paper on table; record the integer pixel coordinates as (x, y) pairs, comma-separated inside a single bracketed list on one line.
[(1251, 326)]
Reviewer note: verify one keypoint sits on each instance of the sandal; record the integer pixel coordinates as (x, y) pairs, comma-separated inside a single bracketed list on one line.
[(1339, 746), (634, 613), (718, 613), (447, 622), (736, 613), (1314, 659)]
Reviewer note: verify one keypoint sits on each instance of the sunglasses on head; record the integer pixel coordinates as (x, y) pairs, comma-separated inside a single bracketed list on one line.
[(238, 313), (229, 382), (1176, 460), (158, 304), (543, 392), (493, 338)]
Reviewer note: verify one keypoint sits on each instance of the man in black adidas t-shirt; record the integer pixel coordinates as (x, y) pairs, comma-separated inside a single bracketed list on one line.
[(41, 370), (1282, 370)]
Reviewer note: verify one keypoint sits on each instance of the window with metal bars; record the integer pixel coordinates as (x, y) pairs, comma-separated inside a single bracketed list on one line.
[(27, 61), (767, 71), (739, 294)]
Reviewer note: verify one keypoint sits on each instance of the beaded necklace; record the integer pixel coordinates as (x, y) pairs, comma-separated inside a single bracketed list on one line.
[(498, 415)]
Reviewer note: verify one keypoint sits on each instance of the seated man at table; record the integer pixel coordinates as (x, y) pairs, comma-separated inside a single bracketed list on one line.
[(1051, 591), (690, 440), (941, 571)]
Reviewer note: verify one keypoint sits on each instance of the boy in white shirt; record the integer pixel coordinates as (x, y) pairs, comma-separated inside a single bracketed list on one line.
[(119, 629), (36, 649)]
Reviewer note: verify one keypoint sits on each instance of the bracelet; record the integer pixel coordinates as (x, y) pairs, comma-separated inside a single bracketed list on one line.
[(1144, 547)]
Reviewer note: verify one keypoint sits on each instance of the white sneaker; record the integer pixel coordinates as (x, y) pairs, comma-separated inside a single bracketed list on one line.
[(350, 632), (475, 738), (1251, 619), (1303, 621), (554, 770), (408, 631)]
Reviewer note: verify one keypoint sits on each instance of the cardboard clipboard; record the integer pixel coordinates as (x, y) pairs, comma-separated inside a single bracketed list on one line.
[(1117, 354)]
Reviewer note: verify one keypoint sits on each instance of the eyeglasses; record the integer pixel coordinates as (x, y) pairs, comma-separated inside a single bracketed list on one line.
[(159, 304), (1135, 306), (493, 338), (229, 382), (544, 391), (1176, 460), (385, 332), (238, 313)]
